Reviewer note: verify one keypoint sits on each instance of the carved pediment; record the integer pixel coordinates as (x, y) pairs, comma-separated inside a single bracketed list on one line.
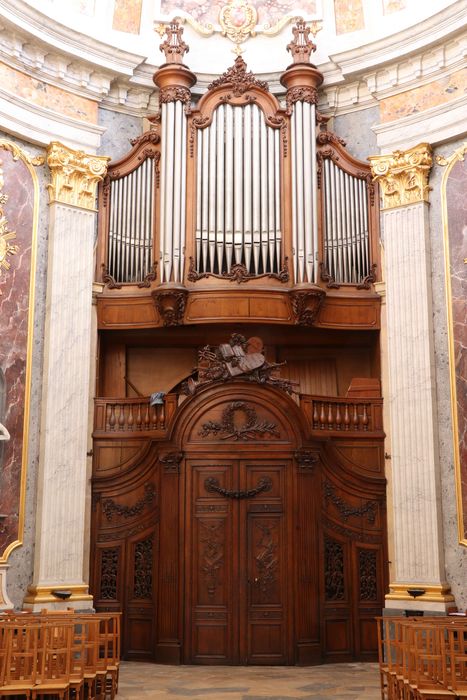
[(240, 80)]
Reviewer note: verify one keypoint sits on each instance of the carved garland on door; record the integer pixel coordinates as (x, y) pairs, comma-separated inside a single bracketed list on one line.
[(227, 429), (346, 510), (109, 506), (212, 486)]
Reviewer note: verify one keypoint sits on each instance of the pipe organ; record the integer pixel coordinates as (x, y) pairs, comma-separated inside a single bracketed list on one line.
[(244, 216), (239, 188)]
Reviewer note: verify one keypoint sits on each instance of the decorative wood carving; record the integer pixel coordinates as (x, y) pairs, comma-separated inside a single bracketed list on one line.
[(306, 460), (212, 558), (240, 80), (367, 574), (171, 462), (228, 428), (109, 507), (307, 303), (334, 581), (353, 535), (326, 277), (142, 582), (300, 94), (369, 279), (240, 358), (266, 560), (152, 136), (108, 280), (238, 273), (174, 93), (211, 484), (109, 573), (346, 510), (150, 277), (174, 47), (170, 304), (301, 46)]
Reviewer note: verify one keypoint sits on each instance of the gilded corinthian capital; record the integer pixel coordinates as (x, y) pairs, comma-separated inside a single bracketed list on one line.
[(403, 175), (75, 175)]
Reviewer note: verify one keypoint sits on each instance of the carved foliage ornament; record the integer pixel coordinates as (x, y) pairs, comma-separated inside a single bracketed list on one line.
[(301, 94), (239, 273), (239, 79), (212, 486), (74, 175), (403, 175), (230, 426), (346, 510)]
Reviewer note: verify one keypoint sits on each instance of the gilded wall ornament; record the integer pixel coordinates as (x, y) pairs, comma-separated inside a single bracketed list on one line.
[(238, 20), (75, 175), (403, 175), (7, 248)]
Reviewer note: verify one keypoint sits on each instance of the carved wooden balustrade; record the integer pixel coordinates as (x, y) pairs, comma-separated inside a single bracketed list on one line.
[(338, 415), (133, 415), (325, 415)]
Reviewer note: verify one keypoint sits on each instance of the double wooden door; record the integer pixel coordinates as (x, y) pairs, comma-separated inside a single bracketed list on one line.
[(238, 559)]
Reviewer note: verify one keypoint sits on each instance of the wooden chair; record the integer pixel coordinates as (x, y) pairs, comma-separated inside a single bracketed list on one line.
[(457, 654), (54, 659), (19, 673), (430, 663), (108, 661)]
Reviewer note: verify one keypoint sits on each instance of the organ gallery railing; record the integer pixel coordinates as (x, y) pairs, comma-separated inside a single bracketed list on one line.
[(325, 415), (238, 187)]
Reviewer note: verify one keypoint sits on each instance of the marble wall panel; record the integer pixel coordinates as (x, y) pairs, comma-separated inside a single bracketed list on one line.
[(349, 16), (16, 254), (455, 553), (20, 572), (456, 201), (120, 129), (44, 95), (127, 16), (269, 12), (431, 95), (355, 129)]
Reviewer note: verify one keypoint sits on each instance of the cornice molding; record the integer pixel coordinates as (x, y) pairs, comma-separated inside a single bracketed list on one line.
[(75, 175), (403, 175), (45, 125)]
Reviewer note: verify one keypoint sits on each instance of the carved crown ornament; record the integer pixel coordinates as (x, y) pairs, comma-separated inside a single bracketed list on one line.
[(403, 175), (75, 175)]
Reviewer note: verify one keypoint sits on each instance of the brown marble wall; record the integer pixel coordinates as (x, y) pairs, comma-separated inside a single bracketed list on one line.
[(16, 240), (456, 202)]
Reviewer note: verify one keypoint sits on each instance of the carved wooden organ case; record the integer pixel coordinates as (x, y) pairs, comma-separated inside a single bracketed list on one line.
[(239, 525)]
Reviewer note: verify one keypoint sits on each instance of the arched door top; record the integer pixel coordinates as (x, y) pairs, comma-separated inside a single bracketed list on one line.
[(239, 413)]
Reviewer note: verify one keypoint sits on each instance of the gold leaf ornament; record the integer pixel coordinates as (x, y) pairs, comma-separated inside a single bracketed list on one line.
[(238, 20)]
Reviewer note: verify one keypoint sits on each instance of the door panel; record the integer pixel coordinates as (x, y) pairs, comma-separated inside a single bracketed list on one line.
[(236, 585), (265, 541), (210, 537)]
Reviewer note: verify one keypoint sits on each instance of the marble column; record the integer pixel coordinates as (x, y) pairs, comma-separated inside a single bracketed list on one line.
[(63, 480), (415, 501)]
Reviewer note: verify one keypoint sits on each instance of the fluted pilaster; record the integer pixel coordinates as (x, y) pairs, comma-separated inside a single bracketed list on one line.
[(418, 561), (60, 525)]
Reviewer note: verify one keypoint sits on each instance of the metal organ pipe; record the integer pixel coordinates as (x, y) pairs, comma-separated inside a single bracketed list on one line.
[(308, 191), (346, 244), (238, 192)]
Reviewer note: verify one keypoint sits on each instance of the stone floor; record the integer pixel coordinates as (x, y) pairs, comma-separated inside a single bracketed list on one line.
[(355, 681)]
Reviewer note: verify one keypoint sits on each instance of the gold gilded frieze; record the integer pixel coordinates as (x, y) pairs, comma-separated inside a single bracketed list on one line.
[(75, 175), (403, 175)]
